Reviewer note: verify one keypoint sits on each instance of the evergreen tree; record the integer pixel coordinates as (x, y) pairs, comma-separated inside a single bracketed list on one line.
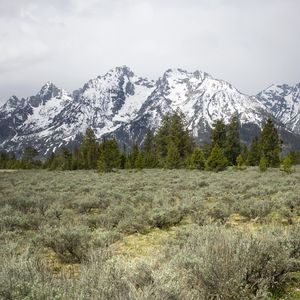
[(295, 157), (232, 144), (270, 144), (49, 160), (162, 138), (244, 153), (77, 163), (149, 151), (89, 150), (240, 162), (218, 134), (139, 164), (217, 161), (287, 165), (180, 136), (173, 157), (9, 161), (197, 160), (132, 157), (109, 156), (173, 133), (123, 157), (263, 164), (254, 153), (28, 159), (66, 156), (207, 148)]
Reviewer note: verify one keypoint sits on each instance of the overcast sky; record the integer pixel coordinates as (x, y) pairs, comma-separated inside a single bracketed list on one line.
[(251, 44)]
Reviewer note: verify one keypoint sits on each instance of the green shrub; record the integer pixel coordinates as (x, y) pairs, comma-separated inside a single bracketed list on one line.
[(217, 160), (253, 208), (263, 164), (23, 277), (227, 264), (86, 204), (164, 218), (70, 243), (14, 220), (286, 165)]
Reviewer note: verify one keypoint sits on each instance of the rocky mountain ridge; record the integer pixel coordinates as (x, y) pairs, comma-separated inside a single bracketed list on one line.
[(124, 105)]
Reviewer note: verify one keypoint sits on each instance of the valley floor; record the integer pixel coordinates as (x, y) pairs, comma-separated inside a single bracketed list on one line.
[(150, 234)]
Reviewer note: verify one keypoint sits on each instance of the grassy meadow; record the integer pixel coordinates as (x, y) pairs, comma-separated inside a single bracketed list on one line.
[(150, 234)]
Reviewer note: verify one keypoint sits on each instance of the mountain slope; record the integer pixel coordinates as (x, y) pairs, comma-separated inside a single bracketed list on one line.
[(283, 101), (123, 105), (201, 98), (54, 117)]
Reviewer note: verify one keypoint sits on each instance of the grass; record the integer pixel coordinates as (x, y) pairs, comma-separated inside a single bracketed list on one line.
[(132, 234)]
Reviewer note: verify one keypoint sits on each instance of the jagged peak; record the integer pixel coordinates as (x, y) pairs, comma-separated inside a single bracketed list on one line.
[(48, 87), (13, 100), (120, 70), (12, 103), (184, 74)]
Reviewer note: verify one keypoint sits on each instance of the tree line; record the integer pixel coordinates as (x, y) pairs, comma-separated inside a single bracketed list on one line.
[(172, 146)]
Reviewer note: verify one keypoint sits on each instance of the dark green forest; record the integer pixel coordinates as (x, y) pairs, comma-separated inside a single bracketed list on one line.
[(171, 147)]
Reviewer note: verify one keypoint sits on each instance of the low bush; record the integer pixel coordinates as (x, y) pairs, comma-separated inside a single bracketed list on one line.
[(227, 264), (165, 218), (70, 243), (23, 277), (254, 208)]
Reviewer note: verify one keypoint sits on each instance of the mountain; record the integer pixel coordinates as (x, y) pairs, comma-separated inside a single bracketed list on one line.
[(55, 117), (283, 102), (201, 98), (124, 105)]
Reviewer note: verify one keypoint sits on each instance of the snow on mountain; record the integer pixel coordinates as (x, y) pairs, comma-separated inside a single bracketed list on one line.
[(48, 103), (11, 105), (201, 98), (104, 103), (54, 117), (283, 101), (123, 105)]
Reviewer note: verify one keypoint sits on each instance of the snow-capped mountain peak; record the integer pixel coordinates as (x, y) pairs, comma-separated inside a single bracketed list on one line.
[(283, 101), (12, 103), (124, 105)]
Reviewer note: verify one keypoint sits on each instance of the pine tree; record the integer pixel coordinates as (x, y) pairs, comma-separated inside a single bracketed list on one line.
[(180, 136), (244, 153), (254, 153), (132, 157), (218, 134), (240, 162), (28, 159), (173, 157), (173, 133), (123, 157), (109, 157), (287, 165), (139, 164), (217, 161), (49, 161), (8, 161), (197, 160), (295, 157), (232, 144), (66, 155), (263, 164), (149, 151), (270, 144), (162, 139), (89, 150)]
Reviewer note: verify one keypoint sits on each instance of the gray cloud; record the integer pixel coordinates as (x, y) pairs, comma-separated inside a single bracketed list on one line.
[(251, 44)]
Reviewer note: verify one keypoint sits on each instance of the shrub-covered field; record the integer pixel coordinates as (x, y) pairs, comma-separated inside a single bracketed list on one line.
[(150, 234)]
